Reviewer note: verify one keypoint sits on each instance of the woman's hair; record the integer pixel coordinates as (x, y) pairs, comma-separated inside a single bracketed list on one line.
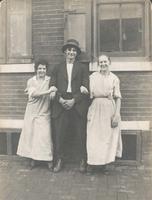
[(105, 56), (40, 62)]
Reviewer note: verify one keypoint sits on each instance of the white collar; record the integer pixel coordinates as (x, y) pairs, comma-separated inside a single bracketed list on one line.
[(46, 78)]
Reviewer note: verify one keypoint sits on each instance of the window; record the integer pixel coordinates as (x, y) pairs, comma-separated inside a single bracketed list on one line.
[(120, 28), (15, 31), (75, 21)]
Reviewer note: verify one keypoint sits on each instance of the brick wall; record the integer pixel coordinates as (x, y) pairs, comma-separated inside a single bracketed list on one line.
[(12, 97), (47, 41), (147, 149), (135, 88), (48, 29), (137, 95)]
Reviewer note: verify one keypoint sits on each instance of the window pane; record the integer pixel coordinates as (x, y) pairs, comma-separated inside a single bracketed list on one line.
[(131, 35), (109, 12), (120, 27), (17, 36), (131, 27), (17, 28), (15, 31), (109, 27), (75, 21), (2, 31), (132, 11), (109, 35)]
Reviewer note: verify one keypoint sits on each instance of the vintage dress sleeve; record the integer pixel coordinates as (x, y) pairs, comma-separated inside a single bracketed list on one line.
[(30, 88), (91, 86), (116, 89)]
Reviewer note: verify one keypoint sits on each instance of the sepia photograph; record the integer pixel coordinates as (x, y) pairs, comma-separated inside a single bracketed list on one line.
[(75, 99)]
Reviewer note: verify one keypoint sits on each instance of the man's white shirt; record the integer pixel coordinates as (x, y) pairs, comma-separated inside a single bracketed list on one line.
[(69, 72)]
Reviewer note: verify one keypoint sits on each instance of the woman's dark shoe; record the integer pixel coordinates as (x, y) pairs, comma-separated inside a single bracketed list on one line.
[(59, 166), (32, 164), (104, 170), (89, 170), (82, 168), (50, 166)]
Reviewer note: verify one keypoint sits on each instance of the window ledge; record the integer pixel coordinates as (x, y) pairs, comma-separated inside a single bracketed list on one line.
[(16, 68), (125, 125), (115, 66), (126, 66)]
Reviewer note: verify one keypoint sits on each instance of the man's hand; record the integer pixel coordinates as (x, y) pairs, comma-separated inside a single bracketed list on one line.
[(67, 103), (63, 102)]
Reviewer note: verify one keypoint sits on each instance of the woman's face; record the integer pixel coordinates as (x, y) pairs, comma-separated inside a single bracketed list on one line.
[(104, 63), (41, 71)]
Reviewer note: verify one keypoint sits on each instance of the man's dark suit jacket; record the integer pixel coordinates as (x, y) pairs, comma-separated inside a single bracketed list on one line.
[(80, 77)]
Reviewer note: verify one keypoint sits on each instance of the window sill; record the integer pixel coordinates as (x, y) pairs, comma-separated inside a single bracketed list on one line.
[(115, 66), (16, 68), (125, 125), (126, 66)]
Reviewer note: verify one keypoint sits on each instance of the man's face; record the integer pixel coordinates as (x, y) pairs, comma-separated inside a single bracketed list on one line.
[(71, 53)]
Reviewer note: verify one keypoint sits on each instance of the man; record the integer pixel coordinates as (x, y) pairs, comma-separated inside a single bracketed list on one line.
[(70, 106)]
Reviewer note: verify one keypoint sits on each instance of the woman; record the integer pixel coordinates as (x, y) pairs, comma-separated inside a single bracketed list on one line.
[(35, 140), (103, 130)]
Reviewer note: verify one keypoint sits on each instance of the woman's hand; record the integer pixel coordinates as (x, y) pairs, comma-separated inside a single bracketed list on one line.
[(52, 89), (26, 91), (52, 95), (84, 90), (115, 120)]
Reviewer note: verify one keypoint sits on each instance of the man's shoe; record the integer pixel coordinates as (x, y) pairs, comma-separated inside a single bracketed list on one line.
[(82, 168), (58, 166)]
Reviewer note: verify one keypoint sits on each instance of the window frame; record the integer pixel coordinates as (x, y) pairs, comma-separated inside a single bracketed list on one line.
[(122, 53), (146, 31), (8, 58), (84, 11)]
